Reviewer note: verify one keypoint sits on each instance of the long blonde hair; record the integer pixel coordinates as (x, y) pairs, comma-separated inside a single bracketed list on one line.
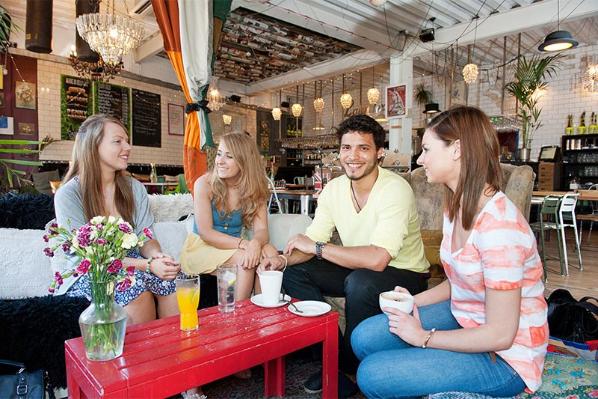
[(479, 158), (253, 184), (85, 163)]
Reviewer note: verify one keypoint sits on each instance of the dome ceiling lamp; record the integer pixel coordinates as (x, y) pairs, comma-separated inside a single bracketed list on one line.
[(373, 93), (346, 98), (470, 71), (111, 36), (560, 39), (276, 111), (432, 107)]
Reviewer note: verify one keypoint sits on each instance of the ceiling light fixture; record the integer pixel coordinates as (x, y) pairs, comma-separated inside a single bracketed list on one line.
[(110, 35), (346, 98), (215, 100), (98, 70), (318, 106), (297, 108), (470, 71), (559, 39), (276, 111), (373, 93), (377, 3), (227, 119)]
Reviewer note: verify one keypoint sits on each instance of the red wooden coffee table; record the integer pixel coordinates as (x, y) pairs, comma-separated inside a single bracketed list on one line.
[(159, 360)]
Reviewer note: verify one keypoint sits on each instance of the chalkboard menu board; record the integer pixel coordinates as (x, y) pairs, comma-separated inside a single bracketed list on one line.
[(147, 122), (75, 105), (113, 100)]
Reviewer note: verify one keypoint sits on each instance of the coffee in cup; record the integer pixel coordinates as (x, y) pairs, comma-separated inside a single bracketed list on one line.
[(397, 300)]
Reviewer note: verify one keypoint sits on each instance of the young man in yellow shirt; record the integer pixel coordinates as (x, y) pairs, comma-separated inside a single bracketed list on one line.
[(374, 212)]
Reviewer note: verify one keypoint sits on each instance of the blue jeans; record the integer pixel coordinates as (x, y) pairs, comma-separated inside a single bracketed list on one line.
[(391, 368)]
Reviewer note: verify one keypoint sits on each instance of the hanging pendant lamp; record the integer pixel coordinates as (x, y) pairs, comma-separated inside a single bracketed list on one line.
[(373, 93), (276, 111), (559, 39), (297, 108), (346, 98)]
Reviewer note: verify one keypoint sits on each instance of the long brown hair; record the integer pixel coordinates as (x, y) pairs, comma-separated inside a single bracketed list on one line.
[(479, 158), (253, 184), (85, 163)]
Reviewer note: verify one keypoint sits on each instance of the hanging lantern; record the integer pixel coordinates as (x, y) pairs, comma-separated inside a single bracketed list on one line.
[(227, 119), (276, 113), (296, 109), (319, 104), (470, 73), (373, 96), (346, 101)]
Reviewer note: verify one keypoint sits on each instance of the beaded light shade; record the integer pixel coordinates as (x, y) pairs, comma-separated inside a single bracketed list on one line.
[(276, 113), (296, 109), (470, 73), (373, 96), (227, 119), (346, 101), (319, 104)]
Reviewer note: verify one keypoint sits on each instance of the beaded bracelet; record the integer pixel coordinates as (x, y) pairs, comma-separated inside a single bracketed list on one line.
[(148, 268)]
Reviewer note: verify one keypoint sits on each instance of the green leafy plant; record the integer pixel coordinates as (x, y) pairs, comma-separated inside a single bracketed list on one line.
[(422, 96), (16, 147), (530, 77)]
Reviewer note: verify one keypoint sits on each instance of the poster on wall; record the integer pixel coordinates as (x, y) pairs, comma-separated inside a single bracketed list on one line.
[(176, 120), (264, 129), (113, 100), (147, 119), (75, 105), (26, 129), (6, 125), (396, 101), (25, 95)]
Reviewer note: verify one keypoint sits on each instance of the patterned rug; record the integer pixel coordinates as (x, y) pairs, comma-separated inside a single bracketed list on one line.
[(564, 377)]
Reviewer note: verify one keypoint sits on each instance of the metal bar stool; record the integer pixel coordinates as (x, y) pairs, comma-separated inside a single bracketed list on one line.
[(568, 219)]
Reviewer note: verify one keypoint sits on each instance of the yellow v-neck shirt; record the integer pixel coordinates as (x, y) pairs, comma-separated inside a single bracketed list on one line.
[(388, 220)]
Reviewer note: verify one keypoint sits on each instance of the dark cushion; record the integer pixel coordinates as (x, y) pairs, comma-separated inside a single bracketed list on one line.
[(33, 331), (26, 211)]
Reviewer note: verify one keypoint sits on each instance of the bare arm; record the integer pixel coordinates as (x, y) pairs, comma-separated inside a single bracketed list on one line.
[(361, 257), (498, 333), (437, 294)]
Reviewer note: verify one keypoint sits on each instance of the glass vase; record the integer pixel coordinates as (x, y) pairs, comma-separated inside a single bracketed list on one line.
[(103, 323)]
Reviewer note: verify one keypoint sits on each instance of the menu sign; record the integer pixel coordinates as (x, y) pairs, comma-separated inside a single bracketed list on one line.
[(75, 98), (113, 100), (147, 119)]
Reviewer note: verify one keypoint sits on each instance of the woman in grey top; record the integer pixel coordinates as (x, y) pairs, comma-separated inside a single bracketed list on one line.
[(96, 184)]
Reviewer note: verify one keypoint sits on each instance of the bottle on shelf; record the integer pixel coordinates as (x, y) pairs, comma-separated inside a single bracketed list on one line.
[(569, 129), (581, 129), (153, 174)]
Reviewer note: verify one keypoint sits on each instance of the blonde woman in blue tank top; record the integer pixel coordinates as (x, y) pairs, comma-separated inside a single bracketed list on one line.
[(229, 201)]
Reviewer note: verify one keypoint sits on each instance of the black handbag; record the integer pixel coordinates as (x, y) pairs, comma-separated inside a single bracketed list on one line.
[(16, 382), (570, 319)]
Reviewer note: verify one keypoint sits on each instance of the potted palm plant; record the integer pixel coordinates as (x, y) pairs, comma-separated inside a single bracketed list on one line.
[(530, 77)]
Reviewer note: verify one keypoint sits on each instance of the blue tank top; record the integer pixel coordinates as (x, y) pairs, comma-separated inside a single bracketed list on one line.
[(231, 224)]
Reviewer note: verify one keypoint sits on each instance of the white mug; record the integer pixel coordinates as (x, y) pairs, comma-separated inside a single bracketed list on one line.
[(270, 282), (397, 300)]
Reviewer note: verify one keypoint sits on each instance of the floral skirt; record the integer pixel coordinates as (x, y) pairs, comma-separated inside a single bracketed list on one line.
[(143, 282)]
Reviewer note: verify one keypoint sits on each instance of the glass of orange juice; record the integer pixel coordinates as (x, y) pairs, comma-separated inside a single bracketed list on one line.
[(187, 295)]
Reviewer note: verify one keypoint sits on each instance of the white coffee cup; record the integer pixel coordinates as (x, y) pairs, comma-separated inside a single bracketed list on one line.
[(397, 300), (270, 282)]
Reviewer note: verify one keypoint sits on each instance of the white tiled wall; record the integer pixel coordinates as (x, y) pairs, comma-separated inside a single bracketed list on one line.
[(49, 71)]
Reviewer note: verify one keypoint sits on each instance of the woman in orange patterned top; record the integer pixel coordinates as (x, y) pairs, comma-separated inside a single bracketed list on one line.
[(484, 329)]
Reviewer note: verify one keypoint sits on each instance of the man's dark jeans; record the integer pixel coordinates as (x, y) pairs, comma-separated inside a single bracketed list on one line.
[(317, 278)]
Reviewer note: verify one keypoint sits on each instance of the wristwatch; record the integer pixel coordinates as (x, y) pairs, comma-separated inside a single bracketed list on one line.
[(319, 246)]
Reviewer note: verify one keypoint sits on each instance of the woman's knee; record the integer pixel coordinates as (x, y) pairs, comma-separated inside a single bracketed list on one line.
[(142, 308), (366, 334)]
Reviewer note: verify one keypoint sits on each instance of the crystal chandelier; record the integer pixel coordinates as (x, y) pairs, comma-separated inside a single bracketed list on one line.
[(98, 70), (215, 100), (346, 98), (227, 119), (110, 35), (470, 73), (590, 80)]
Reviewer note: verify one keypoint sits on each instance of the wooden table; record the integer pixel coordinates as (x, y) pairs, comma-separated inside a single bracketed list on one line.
[(159, 360), (584, 195)]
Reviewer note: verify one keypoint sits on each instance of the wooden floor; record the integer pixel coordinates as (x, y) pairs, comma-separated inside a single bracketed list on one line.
[(579, 283)]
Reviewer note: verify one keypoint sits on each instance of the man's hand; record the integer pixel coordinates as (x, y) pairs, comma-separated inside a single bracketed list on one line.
[(302, 243), (272, 263)]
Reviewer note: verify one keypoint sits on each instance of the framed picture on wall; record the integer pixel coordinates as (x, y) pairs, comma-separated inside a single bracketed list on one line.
[(396, 101), (25, 95), (176, 120), (26, 129)]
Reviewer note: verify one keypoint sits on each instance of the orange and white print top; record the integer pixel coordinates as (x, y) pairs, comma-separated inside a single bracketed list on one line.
[(500, 254)]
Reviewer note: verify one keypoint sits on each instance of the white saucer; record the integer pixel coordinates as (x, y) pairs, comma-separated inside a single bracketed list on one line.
[(257, 300), (310, 308)]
